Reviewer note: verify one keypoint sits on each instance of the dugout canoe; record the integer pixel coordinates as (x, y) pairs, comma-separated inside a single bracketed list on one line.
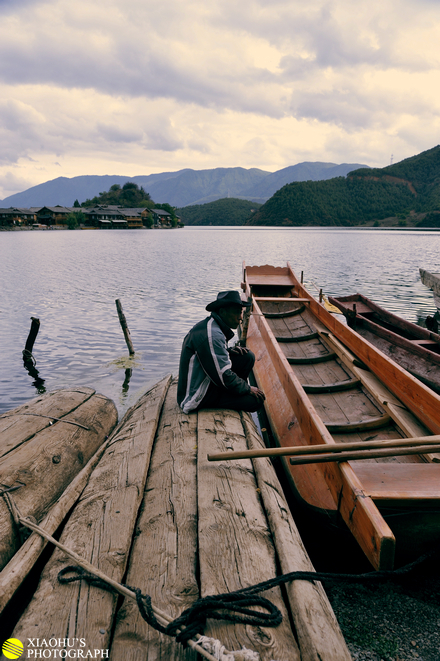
[(44, 444), (324, 383), (411, 346)]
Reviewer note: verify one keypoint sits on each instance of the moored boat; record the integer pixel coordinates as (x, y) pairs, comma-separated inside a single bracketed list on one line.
[(326, 385), (415, 348)]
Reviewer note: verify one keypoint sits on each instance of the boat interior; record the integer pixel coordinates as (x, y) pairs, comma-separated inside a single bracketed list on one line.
[(335, 398)]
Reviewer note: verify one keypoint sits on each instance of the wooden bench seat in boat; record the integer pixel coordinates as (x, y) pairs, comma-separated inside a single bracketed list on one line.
[(394, 481)]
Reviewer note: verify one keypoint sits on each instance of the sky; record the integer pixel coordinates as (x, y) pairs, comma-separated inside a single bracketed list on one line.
[(134, 87)]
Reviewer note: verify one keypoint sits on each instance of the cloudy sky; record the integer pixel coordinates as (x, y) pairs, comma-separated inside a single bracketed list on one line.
[(140, 86)]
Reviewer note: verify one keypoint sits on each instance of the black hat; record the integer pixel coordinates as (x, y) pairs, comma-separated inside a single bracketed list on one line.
[(225, 298)]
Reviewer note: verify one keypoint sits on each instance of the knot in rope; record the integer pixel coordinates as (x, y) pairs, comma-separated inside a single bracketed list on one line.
[(233, 607)]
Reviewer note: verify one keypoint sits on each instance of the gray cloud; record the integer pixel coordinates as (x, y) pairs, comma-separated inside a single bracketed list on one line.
[(195, 80)]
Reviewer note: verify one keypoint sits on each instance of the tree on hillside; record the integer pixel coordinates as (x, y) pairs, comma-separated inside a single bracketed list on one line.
[(130, 195)]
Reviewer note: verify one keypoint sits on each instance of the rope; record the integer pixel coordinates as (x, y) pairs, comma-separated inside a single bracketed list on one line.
[(121, 589), (28, 356), (234, 606)]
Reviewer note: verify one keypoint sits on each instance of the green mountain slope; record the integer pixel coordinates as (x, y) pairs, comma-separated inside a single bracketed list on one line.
[(365, 195), (228, 211)]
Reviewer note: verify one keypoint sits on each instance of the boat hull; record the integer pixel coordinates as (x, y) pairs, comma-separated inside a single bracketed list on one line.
[(414, 348), (337, 488)]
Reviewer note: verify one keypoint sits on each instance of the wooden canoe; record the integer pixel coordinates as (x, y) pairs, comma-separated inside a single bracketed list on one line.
[(411, 346), (324, 384), (43, 445)]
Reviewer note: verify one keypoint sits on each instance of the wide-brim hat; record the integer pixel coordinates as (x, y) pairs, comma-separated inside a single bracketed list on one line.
[(225, 298)]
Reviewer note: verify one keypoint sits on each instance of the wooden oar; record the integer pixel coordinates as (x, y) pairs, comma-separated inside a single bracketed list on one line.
[(354, 455), (309, 450)]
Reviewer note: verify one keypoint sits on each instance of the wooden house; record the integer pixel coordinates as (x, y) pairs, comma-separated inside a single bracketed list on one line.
[(53, 215), (15, 216), (161, 218)]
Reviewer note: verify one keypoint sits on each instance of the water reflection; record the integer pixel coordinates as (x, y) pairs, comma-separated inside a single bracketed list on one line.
[(126, 384), (30, 366), (29, 361)]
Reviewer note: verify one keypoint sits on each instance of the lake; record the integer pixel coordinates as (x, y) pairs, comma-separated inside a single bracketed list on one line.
[(164, 279)]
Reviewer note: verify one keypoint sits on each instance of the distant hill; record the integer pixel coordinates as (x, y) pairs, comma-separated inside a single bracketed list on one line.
[(181, 188), (228, 211), (365, 195), (300, 172)]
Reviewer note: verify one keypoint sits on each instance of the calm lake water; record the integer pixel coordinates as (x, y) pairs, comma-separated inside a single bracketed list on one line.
[(164, 279)]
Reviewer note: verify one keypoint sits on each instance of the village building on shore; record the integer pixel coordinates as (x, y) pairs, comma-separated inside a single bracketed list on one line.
[(101, 216)]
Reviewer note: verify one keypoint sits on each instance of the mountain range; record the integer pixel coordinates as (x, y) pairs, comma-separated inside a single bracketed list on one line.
[(404, 190), (181, 188)]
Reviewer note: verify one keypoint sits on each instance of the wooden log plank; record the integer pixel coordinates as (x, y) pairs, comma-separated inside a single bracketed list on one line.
[(22, 423), (235, 546), (319, 635), (163, 558), (99, 530), (48, 462), (22, 562)]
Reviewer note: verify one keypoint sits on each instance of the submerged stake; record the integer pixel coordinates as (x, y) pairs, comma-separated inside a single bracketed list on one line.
[(124, 327), (35, 327)]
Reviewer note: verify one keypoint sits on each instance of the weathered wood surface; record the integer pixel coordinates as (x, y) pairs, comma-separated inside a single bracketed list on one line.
[(46, 463), (24, 559), (431, 280), (21, 424), (235, 545), (163, 560), (100, 530), (319, 635)]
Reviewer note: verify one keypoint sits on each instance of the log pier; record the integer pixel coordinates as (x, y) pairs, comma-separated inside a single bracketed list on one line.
[(157, 515)]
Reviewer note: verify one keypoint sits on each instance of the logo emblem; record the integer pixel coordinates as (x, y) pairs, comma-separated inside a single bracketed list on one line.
[(12, 648)]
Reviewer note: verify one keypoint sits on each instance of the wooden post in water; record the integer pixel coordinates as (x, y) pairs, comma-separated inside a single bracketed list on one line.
[(124, 327), (35, 327)]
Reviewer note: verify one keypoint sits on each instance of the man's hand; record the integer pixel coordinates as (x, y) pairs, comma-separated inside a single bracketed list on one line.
[(238, 349), (259, 394)]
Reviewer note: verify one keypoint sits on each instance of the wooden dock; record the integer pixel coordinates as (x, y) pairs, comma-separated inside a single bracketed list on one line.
[(156, 515)]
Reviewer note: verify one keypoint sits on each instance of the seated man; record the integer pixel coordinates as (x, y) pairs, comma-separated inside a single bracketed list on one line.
[(210, 374)]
